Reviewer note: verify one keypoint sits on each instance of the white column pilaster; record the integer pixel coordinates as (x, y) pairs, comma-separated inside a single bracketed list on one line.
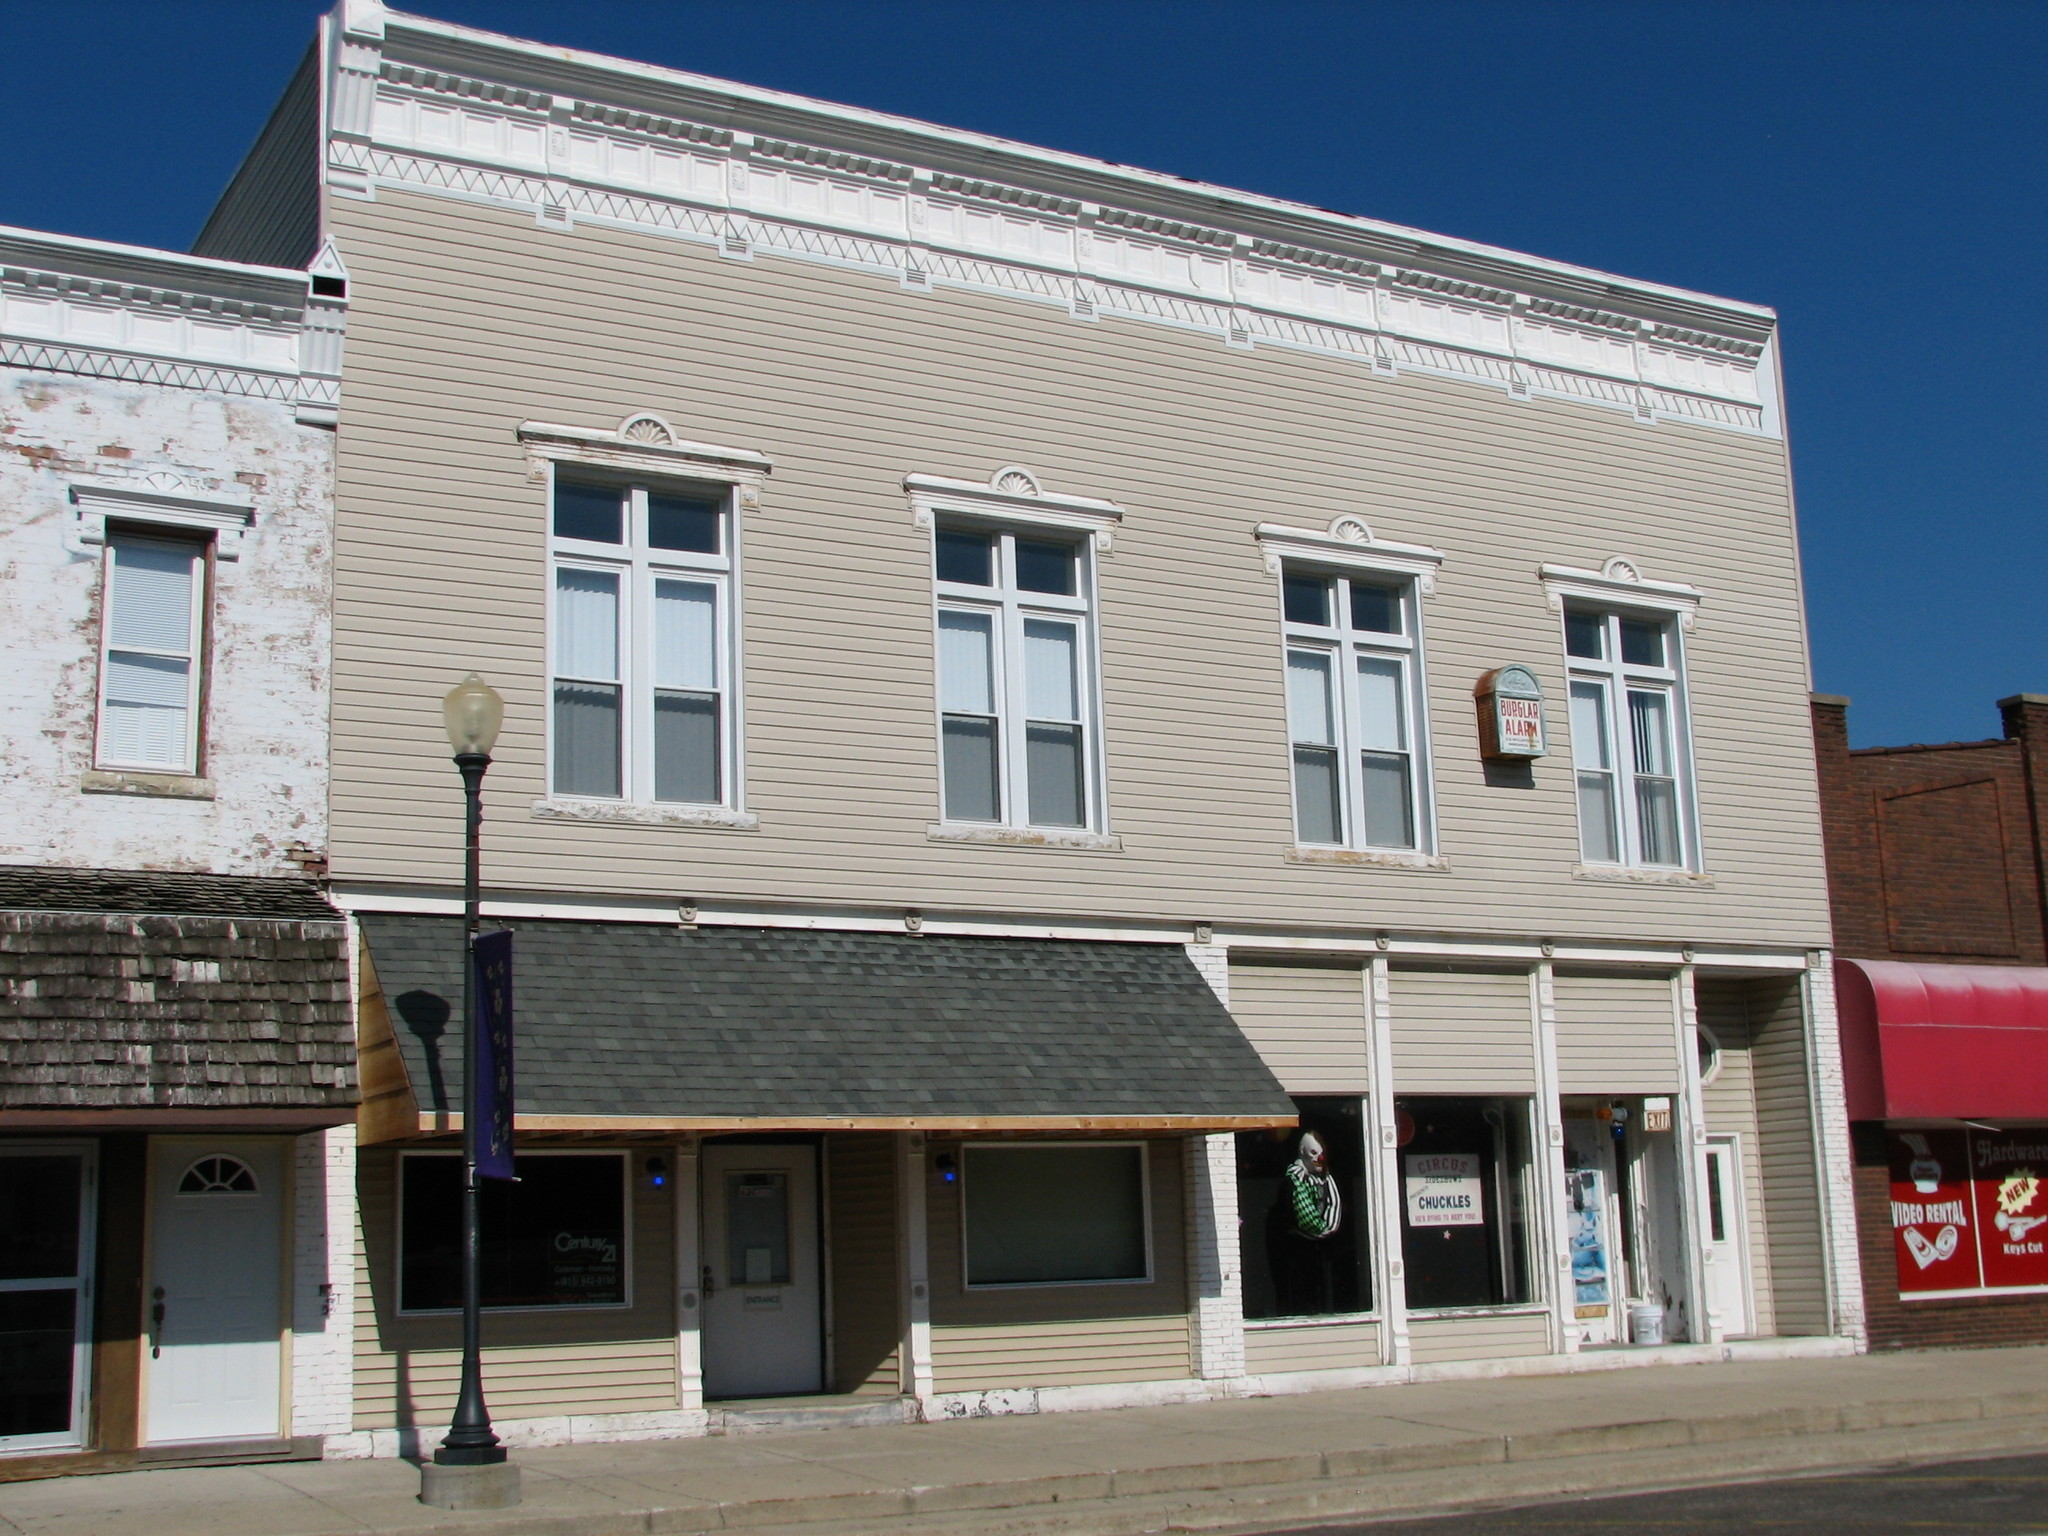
[(1383, 1168), (914, 1356), (1834, 1163), (689, 1280), (1690, 1127), (1215, 1262), (323, 1310), (1553, 1256)]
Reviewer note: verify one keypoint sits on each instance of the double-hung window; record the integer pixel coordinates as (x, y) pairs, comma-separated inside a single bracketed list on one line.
[(1628, 738), (152, 630), (641, 641), (1354, 711), (1017, 733)]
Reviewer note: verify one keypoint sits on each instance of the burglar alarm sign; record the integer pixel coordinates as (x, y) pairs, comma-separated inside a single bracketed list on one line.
[(1510, 713)]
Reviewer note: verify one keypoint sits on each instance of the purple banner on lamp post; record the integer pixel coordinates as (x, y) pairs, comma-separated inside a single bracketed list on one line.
[(490, 1089)]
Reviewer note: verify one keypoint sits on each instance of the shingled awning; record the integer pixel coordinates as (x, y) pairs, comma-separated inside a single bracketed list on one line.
[(631, 1027)]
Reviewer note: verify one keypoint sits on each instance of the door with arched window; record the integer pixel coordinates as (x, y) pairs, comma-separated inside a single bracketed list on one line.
[(213, 1312)]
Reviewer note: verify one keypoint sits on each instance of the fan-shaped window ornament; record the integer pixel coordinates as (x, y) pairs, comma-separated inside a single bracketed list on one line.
[(218, 1175)]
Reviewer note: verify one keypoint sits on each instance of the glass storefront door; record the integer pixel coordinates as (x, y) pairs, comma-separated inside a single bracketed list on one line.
[(45, 1256)]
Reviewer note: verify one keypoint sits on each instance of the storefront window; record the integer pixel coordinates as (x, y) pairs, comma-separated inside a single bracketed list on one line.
[(41, 1226), (1055, 1213), (1465, 1200), (554, 1238), (1970, 1209), (1301, 1214)]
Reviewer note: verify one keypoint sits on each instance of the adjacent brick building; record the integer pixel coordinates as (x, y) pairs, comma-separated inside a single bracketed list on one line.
[(1937, 856)]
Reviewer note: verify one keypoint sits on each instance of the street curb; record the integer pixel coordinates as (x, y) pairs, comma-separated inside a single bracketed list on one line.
[(1370, 1482)]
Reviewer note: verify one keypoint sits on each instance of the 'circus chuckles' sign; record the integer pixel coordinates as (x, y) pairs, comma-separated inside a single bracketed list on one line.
[(1969, 1211)]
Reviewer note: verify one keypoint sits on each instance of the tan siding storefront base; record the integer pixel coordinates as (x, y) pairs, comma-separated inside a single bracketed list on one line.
[(1271, 1349), (536, 1364), (1436, 1340), (1059, 1354)]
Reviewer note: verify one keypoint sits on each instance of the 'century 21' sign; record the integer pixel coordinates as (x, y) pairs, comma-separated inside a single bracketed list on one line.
[(1510, 713)]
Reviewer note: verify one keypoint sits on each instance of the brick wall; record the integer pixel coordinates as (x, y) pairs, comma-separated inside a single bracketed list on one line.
[(1935, 853)]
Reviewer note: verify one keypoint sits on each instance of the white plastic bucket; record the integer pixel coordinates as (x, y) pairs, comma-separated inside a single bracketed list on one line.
[(1646, 1322)]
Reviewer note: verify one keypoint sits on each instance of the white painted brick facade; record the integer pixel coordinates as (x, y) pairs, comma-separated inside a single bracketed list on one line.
[(263, 738), (1837, 1173), (323, 1283), (1211, 1178)]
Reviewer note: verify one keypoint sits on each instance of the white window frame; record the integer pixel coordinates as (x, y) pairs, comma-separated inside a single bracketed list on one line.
[(194, 654), (1616, 592), (639, 567), (1348, 550), (1151, 1275), (1010, 506), (626, 1259)]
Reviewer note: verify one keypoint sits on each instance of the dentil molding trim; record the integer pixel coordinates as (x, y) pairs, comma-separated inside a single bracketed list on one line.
[(565, 160)]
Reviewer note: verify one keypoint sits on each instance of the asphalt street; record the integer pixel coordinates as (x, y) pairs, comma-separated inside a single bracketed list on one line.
[(2003, 1497)]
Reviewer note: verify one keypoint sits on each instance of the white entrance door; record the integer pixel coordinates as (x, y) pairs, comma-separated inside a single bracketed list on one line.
[(762, 1319), (1725, 1238), (214, 1304)]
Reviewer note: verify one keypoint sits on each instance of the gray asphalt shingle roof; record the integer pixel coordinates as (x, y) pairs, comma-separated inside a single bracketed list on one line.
[(631, 1019)]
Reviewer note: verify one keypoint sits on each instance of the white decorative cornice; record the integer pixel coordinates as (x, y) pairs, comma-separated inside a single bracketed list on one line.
[(161, 500), (673, 155), (1348, 544), (1619, 583), (105, 311), (644, 443), (1013, 495)]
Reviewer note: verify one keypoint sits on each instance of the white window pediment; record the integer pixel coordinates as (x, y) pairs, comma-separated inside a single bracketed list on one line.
[(1620, 583), (1012, 495), (1348, 544), (163, 500), (645, 444)]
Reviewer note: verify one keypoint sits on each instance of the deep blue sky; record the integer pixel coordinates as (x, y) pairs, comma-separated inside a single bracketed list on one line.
[(1877, 172)]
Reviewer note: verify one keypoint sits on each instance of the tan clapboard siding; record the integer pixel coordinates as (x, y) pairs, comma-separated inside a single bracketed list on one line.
[(1785, 1156), (1269, 1351), (989, 1357), (1137, 1332), (465, 321), (1434, 1340), (536, 1364), (1729, 1106), (1616, 1034), (1462, 1031), (1308, 1022), (860, 1177)]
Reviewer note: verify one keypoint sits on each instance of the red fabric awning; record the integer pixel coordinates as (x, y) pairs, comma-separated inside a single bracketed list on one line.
[(1943, 1042)]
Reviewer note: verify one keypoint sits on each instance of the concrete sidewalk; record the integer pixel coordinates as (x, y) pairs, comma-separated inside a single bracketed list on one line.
[(1218, 1465)]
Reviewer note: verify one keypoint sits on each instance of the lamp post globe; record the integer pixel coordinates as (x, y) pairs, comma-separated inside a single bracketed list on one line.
[(474, 714)]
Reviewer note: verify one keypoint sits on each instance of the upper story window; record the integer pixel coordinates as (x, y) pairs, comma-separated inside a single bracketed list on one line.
[(641, 640), (152, 634), (1354, 711), (1629, 745), (1016, 661)]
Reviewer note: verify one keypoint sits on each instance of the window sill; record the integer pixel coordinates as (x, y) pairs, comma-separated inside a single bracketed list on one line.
[(626, 813), (155, 786), (1622, 874), (1022, 837), (1367, 858), (1333, 1320), (1451, 1314)]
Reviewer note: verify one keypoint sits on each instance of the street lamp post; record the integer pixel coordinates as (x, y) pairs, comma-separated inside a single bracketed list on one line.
[(469, 1469)]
